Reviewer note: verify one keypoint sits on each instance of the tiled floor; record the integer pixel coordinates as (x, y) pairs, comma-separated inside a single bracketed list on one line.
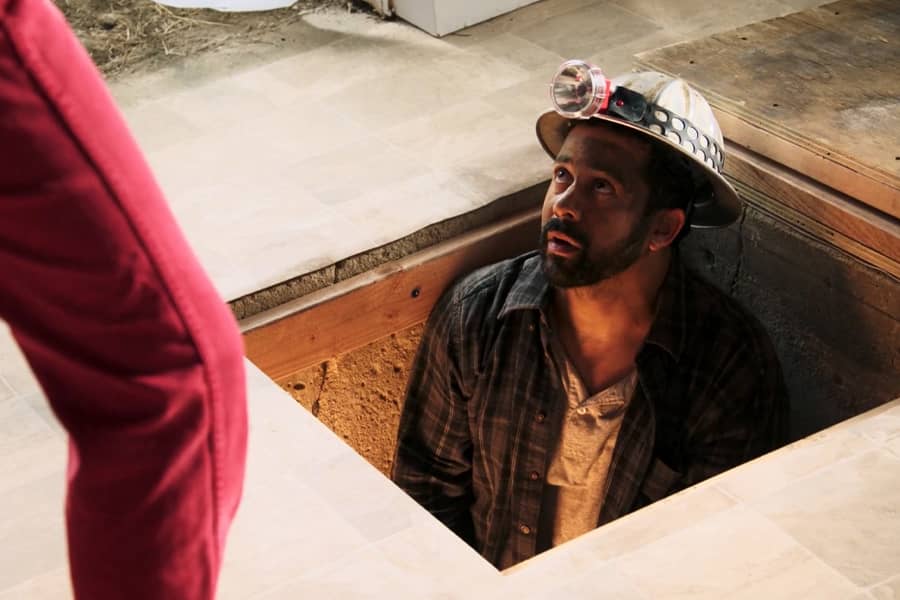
[(701, 562), (373, 130), (861, 544)]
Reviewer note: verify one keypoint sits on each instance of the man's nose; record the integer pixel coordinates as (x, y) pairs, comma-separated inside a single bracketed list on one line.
[(566, 204)]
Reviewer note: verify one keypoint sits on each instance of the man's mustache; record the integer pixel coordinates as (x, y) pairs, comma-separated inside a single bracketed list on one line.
[(564, 227)]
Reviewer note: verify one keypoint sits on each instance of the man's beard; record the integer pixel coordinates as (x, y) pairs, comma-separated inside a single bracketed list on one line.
[(582, 269)]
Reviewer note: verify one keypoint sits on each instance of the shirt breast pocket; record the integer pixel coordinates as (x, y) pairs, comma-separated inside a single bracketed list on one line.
[(661, 481)]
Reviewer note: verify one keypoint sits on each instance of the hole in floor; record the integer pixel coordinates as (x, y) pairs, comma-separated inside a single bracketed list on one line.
[(359, 394)]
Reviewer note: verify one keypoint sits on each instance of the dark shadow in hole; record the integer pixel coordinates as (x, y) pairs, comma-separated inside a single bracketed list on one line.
[(833, 320)]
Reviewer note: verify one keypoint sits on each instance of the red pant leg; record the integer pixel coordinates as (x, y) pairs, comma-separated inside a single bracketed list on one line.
[(139, 357)]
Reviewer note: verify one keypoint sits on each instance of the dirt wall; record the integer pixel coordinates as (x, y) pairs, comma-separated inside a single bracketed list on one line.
[(358, 395)]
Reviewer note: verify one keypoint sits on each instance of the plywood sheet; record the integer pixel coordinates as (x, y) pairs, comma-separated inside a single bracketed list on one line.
[(817, 91)]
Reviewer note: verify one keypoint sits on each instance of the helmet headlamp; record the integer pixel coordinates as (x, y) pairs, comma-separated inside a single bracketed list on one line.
[(658, 105), (579, 90)]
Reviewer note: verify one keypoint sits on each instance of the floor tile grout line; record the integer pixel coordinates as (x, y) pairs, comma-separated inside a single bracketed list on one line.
[(875, 446), (805, 548), (701, 521), (715, 485), (717, 480), (838, 462), (886, 580), (513, 34), (4, 384), (318, 570), (623, 8)]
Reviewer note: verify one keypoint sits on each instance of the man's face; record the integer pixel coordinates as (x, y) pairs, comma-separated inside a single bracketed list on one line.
[(594, 223)]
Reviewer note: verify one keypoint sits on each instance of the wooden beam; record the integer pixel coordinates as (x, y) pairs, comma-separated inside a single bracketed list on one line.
[(814, 230), (375, 304), (821, 212), (827, 167)]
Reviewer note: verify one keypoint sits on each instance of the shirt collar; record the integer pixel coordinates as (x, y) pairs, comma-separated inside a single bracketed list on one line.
[(530, 291)]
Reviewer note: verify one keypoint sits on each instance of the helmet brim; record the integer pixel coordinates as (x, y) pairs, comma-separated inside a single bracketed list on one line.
[(725, 206)]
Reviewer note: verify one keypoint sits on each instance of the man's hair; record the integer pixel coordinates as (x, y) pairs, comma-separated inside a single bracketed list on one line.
[(671, 183), (670, 179)]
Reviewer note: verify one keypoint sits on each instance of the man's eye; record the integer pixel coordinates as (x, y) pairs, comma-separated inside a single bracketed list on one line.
[(560, 174), (603, 186)]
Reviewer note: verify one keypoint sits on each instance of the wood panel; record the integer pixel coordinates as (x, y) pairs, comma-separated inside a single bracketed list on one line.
[(372, 305), (818, 210), (817, 231), (817, 91)]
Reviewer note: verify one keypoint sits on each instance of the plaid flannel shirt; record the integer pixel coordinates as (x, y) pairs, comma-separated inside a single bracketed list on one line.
[(475, 434)]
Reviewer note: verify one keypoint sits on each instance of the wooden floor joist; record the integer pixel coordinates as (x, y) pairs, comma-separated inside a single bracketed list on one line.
[(818, 211), (817, 232), (841, 173), (375, 304)]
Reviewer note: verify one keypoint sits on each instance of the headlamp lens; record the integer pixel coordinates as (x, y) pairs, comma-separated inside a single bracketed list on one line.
[(579, 90)]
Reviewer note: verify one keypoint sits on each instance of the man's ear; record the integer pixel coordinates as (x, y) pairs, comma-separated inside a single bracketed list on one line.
[(667, 223)]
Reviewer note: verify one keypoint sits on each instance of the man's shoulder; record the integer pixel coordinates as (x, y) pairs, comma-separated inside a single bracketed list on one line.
[(716, 316), (731, 349), (486, 289)]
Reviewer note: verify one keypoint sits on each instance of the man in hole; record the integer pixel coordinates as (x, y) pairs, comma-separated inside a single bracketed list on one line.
[(561, 389)]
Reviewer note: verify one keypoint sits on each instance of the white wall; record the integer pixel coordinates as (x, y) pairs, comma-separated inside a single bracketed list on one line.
[(440, 17)]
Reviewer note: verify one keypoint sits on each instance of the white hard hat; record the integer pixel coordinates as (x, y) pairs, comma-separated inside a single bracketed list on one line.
[(666, 109)]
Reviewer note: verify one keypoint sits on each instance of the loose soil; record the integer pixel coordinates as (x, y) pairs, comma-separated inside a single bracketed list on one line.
[(128, 36), (359, 395)]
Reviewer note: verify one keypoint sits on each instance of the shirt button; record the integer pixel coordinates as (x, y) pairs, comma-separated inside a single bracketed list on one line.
[(534, 476), (524, 529), (540, 417)]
